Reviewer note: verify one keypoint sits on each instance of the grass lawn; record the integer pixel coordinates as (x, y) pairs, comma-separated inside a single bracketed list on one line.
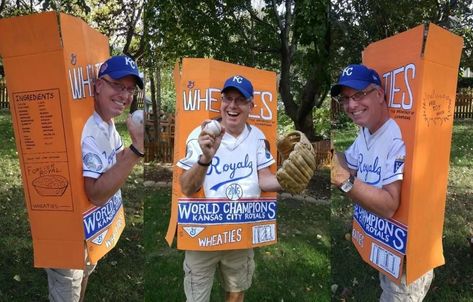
[(295, 269), (357, 281), (119, 274)]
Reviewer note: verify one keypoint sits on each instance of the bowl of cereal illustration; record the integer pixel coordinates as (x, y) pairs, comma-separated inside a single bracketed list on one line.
[(50, 185)]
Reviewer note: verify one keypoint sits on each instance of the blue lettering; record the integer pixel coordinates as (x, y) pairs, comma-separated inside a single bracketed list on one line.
[(232, 168), (369, 169)]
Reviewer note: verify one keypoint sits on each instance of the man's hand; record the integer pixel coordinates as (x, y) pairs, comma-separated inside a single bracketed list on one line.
[(209, 143), (382, 201), (136, 131), (340, 171)]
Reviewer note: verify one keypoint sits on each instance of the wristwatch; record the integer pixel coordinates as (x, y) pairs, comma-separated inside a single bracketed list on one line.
[(347, 185)]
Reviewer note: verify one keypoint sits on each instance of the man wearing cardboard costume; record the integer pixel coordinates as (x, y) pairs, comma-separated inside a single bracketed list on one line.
[(205, 155), (106, 162), (378, 145)]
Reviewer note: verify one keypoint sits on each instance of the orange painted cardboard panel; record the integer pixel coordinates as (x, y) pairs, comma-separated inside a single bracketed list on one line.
[(419, 76), (49, 73), (198, 84)]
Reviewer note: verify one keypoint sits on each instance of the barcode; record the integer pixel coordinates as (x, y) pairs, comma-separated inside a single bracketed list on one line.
[(385, 259), (264, 233)]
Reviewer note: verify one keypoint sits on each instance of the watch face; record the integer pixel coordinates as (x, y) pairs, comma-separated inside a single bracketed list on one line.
[(346, 186)]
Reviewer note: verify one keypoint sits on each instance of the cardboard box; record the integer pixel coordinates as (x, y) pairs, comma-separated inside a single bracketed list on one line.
[(419, 71), (198, 84), (50, 62)]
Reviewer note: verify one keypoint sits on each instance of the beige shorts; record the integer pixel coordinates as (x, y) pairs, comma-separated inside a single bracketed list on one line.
[(414, 292), (65, 284), (235, 267)]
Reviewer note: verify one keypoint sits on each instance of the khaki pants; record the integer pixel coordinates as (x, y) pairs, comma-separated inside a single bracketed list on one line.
[(414, 292), (65, 284), (236, 267)]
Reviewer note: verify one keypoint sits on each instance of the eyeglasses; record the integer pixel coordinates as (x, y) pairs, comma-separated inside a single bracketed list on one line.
[(238, 101), (356, 97), (119, 87)]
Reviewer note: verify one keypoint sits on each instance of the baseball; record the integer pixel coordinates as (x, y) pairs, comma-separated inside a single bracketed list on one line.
[(213, 128), (137, 116)]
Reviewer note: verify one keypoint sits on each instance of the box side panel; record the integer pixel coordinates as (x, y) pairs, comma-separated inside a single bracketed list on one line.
[(39, 118), (26, 35), (421, 94), (51, 97), (436, 110)]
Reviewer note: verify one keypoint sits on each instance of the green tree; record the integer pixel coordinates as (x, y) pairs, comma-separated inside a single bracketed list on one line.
[(120, 21), (357, 23), (290, 37)]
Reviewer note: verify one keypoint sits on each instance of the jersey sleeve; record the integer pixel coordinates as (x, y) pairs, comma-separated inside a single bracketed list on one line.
[(263, 155), (351, 155), (119, 143), (394, 166), (93, 160), (193, 152)]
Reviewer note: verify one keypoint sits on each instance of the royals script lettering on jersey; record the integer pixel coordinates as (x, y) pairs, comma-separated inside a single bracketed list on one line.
[(378, 158), (233, 172)]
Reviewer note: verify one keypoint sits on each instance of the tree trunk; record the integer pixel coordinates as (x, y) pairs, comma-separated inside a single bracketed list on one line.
[(134, 104), (157, 113), (152, 140)]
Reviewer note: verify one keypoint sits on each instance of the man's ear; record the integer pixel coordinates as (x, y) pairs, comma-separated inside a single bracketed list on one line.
[(97, 86), (252, 105), (381, 94)]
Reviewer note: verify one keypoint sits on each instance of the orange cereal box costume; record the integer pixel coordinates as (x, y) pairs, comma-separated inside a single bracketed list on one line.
[(418, 70), (219, 223), (50, 62)]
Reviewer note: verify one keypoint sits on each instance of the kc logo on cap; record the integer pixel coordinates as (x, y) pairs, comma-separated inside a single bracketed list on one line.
[(241, 84), (118, 67), (357, 77), (347, 71), (238, 79)]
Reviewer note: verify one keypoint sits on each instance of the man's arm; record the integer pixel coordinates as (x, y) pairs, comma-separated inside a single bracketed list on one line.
[(382, 201), (191, 180), (268, 181), (101, 189)]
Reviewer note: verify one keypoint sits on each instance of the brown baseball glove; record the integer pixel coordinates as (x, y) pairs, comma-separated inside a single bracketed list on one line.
[(298, 162)]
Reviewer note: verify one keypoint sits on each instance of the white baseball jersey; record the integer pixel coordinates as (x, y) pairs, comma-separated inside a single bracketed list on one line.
[(233, 172), (100, 145), (378, 158)]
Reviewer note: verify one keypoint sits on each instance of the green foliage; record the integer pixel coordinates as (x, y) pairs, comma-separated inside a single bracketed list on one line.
[(277, 37), (357, 23), (120, 21), (342, 121), (285, 124), (322, 120), (465, 82), (168, 92)]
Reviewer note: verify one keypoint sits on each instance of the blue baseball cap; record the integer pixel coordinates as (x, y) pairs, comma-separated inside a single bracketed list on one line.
[(118, 67), (357, 77), (241, 84)]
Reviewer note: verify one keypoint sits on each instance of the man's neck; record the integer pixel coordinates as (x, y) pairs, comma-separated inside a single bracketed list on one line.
[(382, 120), (235, 131), (108, 120)]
